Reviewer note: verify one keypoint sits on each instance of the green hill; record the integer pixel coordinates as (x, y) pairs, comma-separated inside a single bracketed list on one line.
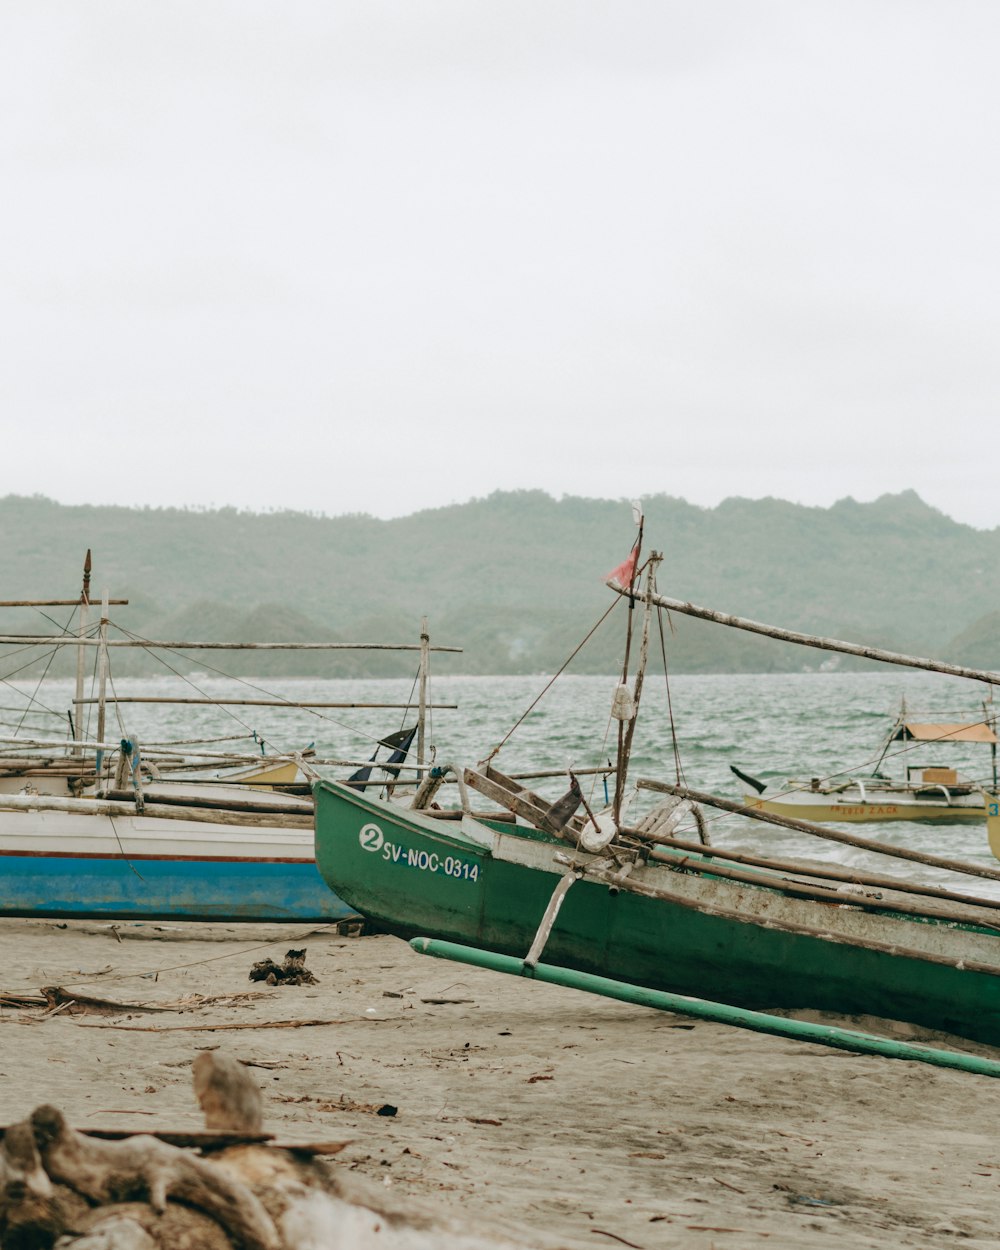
[(979, 645), (516, 579)]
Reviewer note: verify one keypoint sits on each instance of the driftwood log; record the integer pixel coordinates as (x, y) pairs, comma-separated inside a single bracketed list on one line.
[(65, 1190), (228, 1098), (143, 1168)]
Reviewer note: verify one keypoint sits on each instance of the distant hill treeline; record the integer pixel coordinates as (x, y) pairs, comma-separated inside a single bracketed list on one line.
[(515, 579)]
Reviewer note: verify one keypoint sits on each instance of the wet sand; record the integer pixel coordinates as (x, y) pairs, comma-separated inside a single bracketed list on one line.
[(558, 1118)]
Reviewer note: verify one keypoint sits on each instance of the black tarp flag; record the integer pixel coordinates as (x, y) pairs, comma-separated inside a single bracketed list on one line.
[(759, 786), (562, 810), (398, 743)]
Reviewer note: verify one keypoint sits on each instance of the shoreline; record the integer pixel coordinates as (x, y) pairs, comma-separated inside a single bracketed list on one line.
[(557, 1118)]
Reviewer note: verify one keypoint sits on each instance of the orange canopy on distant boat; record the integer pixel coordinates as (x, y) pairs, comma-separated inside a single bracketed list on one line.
[(978, 732)]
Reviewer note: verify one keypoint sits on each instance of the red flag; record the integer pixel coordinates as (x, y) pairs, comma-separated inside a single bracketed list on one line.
[(623, 576)]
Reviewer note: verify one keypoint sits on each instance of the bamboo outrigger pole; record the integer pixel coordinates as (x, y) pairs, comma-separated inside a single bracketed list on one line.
[(701, 1009), (812, 640), (830, 832)]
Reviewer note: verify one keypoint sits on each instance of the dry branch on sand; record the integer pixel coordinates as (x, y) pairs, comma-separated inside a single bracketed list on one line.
[(63, 1189)]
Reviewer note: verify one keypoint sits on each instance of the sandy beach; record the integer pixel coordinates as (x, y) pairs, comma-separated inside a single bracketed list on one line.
[(558, 1118)]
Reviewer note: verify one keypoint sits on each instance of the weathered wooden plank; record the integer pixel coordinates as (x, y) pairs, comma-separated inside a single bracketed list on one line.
[(511, 799), (513, 786)]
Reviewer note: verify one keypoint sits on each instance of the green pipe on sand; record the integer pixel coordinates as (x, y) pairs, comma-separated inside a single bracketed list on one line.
[(721, 1013)]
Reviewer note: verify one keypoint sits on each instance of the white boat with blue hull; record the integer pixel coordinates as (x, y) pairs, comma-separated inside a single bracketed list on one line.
[(99, 829), (102, 859)]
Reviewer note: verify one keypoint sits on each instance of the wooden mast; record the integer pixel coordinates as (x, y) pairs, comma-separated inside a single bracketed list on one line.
[(424, 665), (81, 654), (620, 759), (640, 676), (102, 682)]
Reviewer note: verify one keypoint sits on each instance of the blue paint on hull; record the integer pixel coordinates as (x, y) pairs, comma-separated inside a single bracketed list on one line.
[(161, 889)]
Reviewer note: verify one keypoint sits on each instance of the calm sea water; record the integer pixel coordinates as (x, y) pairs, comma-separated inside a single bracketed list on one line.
[(772, 726)]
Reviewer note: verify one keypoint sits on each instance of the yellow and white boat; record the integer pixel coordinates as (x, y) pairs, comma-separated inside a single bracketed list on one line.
[(268, 774), (926, 793)]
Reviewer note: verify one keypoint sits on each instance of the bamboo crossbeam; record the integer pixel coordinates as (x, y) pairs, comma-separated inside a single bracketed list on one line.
[(821, 831), (180, 760), (829, 894), (73, 640), (165, 756), (633, 886), (59, 744), (70, 765), (254, 802), (288, 703), (193, 811), (201, 742), (848, 876), (605, 771), (811, 640), (51, 603)]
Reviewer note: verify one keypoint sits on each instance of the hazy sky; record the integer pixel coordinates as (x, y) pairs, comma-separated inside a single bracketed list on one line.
[(386, 256)]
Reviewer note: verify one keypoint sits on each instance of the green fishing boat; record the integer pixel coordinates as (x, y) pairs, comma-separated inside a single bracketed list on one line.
[(636, 895), (664, 918)]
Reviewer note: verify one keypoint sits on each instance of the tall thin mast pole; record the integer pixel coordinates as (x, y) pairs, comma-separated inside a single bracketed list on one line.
[(81, 653), (620, 759), (102, 681), (628, 730), (424, 665)]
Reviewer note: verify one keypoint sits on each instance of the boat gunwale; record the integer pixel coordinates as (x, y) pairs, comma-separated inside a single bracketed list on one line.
[(450, 832), (592, 869)]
